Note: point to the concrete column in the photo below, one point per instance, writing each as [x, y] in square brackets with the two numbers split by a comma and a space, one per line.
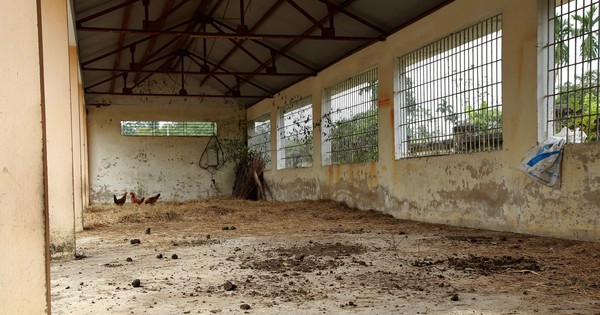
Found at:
[76, 109]
[59, 137]
[78, 123]
[24, 262]
[85, 182]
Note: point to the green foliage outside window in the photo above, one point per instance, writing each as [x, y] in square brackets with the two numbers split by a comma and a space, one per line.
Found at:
[169, 128]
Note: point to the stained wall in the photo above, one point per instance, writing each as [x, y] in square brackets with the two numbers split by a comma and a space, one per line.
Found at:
[480, 190]
[166, 165]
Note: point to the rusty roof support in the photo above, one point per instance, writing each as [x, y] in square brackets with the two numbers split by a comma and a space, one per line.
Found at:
[106, 11]
[278, 52]
[112, 52]
[249, 28]
[239, 45]
[117, 62]
[308, 31]
[182, 39]
[305, 14]
[188, 34]
[210, 72]
[159, 25]
[263, 19]
[354, 16]
[184, 96]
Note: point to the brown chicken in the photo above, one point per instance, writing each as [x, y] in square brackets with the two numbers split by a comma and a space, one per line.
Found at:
[136, 200]
[120, 201]
[152, 200]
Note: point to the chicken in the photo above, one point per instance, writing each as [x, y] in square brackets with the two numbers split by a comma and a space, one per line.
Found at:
[152, 200]
[120, 201]
[136, 200]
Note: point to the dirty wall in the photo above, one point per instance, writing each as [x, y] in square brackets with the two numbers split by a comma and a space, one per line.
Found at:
[149, 165]
[480, 190]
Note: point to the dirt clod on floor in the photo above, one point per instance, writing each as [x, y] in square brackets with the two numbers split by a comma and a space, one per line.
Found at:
[313, 257]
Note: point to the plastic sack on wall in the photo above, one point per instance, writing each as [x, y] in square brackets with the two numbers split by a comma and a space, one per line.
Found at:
[542, 163]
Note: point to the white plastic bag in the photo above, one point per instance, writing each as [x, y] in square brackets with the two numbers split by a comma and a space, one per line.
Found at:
[542, 163]
[572, 136]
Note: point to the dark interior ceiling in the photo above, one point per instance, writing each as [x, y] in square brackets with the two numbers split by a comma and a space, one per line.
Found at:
[244, 49]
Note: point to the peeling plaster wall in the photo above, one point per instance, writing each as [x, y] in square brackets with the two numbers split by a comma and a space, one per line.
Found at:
[480, 190]
[151, 165]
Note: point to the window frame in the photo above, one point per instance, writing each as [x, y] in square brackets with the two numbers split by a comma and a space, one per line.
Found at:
[262, 148]
[547, 89]
[459, 128]
[154, 128]
[303, 109]
[361, 144]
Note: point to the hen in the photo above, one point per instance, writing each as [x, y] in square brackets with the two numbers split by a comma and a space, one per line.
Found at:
[120, 201]
[136, 200]
[152, 200]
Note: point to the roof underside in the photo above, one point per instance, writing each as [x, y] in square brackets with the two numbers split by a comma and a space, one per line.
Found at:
[245, 49]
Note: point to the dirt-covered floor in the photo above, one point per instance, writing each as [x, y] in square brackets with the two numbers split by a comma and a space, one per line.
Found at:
[232, 257]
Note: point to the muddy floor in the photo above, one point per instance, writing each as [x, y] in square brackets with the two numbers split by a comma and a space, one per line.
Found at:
[242, 257]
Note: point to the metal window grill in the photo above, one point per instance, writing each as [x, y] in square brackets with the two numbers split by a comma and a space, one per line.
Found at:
[295, 134]
[259, 137]
[573, 60]
[349, 122]
[449, 94]
[169, 128]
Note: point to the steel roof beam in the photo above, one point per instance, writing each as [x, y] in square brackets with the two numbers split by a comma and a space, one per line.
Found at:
[182, 96]
[105, 11]
[308, 31]
[229, 35]
[160, 24]
[84, 63]
[181, 40]
[124, 23]
[355, 17]
[296, 60]
[254, 27]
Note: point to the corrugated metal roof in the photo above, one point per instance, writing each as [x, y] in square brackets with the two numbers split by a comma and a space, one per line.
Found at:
[247, 49]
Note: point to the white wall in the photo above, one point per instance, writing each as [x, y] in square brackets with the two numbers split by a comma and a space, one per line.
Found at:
[151, 165]
[480, 190]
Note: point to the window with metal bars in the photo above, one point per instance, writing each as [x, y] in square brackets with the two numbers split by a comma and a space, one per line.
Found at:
[259, 137]
[169, 128]
[349, 122]
[449, 94]
[295, 134]
[572, 62]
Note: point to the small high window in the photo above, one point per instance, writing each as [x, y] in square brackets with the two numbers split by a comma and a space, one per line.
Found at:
[169, 128]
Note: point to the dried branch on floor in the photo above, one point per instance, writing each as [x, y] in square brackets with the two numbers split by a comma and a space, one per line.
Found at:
[249, 181]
